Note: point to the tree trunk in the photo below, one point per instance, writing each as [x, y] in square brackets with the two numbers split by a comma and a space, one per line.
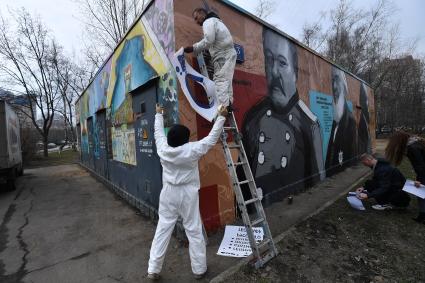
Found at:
[65, 118]
[45, 148]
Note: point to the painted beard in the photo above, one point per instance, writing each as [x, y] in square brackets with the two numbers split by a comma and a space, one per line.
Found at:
[278, 95]
[276, 88]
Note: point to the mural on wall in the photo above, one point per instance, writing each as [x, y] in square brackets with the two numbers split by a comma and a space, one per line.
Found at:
[364, 142]
[321, 105]
[84, 114]
[93, 100]
[160, 18]
[281, 135]
[123, 144]
[284, 106]
[287, 140]
[99, 88]
[167, 97]
[141, 57]
[138, 59]
[342, 142]
[132, 70]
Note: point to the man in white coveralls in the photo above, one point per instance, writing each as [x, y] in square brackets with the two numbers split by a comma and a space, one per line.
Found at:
[179, 194]
[219, 42]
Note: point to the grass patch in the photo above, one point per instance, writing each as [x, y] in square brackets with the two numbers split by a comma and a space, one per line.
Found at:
[406, 168]
[66, 157]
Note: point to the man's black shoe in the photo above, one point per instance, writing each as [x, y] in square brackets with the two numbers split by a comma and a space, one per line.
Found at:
[230, 108]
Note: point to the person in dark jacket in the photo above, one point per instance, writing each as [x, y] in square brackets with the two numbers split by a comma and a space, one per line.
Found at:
[404, 144]
[386, 185]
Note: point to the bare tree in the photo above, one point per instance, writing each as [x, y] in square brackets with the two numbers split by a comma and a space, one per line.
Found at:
[356, 38]
[26, 66]
[106, 22]
[402, 102]
[367, 43]
[313, 34]
[72, 78]
[265, 8]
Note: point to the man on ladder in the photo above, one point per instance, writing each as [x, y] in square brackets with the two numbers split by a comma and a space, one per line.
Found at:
[219, 42]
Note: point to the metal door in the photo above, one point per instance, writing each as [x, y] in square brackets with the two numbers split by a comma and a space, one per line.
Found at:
[149, 181]
[90, 133]
[100, 145]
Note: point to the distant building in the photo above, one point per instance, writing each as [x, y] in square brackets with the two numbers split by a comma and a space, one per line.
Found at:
[402, 96]
[57, 123]
[22, 106]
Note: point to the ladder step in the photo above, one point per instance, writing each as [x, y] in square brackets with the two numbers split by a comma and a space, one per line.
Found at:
[234, 146]
[257, 221]
[251, 201]
[245, 182]
[264, 259]
[266, 249]
[263, 243]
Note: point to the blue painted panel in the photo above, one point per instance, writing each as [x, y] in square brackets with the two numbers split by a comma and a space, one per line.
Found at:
[144, 179]
[100, 144]
[90, 133]
[321, 106]
[149, 183]
[240, 53]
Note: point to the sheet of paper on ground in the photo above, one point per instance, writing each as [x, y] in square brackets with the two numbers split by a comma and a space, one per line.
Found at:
[354, 201]
[410, 188]
[236, 243]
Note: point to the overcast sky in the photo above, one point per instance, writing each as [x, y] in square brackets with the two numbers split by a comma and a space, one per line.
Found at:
[291, 15]
[62, 16]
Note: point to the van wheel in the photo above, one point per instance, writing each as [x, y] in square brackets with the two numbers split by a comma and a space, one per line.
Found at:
[10, 185]
[21, 170]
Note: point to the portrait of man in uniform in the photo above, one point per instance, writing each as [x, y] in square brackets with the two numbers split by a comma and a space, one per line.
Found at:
[364, 141]
[281, 135]
[342, 143]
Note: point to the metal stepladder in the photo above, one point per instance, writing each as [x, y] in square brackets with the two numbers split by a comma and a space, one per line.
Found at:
[265, 250]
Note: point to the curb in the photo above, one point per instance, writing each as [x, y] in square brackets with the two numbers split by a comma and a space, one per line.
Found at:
[235, 268]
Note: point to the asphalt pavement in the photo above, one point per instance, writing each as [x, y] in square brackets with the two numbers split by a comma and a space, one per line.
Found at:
[62, 225]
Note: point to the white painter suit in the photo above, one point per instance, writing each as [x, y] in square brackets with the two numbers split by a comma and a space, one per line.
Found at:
[179, 195]
[219, 41]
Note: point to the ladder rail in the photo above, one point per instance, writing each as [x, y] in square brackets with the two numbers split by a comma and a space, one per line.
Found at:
[257, 254]
[242, 154]
[240, 200]
[242, 204]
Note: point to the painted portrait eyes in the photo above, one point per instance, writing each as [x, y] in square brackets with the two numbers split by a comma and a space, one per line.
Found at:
[282, 61]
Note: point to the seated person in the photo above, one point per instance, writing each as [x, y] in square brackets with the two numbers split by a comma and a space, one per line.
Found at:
[386, 185]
